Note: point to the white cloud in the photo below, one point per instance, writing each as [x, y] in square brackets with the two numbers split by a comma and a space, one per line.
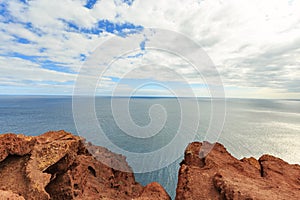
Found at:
[17, 69]
[255, 44]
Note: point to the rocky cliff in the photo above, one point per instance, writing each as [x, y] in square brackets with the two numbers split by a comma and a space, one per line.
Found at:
[58, 165]
[221, 176]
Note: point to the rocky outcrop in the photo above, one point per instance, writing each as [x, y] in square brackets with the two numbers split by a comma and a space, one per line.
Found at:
[58, 165]
[221, 176]
[5, 195]
[153, 191]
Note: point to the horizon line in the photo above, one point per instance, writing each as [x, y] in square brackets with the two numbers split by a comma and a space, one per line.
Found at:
[141, 96]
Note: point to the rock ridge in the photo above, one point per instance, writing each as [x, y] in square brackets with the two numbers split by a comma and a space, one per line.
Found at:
[219, 175]
[59, 165]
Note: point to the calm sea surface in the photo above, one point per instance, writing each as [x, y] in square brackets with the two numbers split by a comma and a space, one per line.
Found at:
[252, 127]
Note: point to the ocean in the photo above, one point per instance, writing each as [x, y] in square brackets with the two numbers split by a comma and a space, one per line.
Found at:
[252, 127]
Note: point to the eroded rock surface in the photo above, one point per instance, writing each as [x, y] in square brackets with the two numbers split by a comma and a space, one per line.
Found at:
[153, 191]
[58, 165]
[221, 176]
[5, 195]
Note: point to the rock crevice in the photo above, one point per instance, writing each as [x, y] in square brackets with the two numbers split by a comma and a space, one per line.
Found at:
[222, 176]
[58, 165]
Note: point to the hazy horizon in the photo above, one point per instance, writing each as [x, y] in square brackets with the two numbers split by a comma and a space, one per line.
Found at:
[149, 96]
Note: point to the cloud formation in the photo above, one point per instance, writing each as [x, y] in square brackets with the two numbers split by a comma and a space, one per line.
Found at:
[254, 44]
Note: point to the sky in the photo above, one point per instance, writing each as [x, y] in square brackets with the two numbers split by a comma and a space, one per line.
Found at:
[254, 45]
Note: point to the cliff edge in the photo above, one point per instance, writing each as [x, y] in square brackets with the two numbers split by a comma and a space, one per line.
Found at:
[57, 165]
[221, 176]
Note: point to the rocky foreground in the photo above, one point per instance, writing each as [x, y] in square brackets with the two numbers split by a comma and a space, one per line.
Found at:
[221, 176]
[58, 165]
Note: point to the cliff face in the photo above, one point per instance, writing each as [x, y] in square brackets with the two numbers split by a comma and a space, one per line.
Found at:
[221, 176]
[57, 165]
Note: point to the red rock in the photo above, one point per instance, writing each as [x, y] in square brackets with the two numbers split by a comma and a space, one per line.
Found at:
[5, 195]
[153, 191]
[58, 165]
[221, 176]
[280, 172]
[11, 144]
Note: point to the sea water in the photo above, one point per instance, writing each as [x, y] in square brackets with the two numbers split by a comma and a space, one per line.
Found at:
[252, 126]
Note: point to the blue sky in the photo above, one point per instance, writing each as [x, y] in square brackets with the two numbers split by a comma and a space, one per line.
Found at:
[255, 45]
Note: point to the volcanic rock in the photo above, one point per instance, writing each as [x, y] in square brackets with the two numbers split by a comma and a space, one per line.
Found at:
[219, 175]
[153, 191]
[59, 165]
